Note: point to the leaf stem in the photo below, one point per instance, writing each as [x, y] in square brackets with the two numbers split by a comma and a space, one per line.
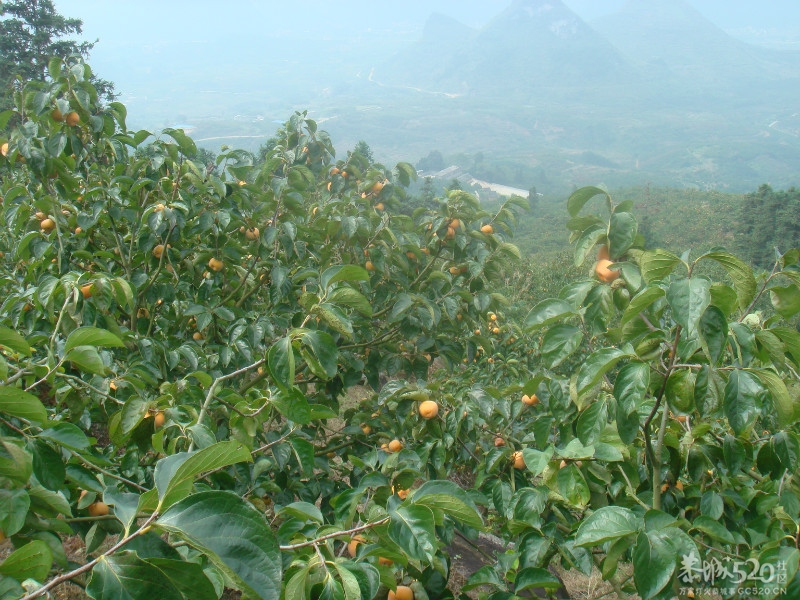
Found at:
[348, 532]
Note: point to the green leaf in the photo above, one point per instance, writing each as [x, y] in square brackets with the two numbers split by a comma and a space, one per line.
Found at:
[714, 529]
[21, 404]
[86, 358]
[188, 578]
[484, 576]
[413, 529]
[14, 341]
[657, 264]
[622, 230]
[125, 576]
[714, 333]
[586, 242]
[185, 143]
[742, 400]
[293, 405]
[31, 561]
[640, 302]
[334, 318]
[654, 563]
[280, 362]
[233, 535]
[572, 485]
[535, 578]
[591, 422]
[67, 435]
[606, 524]
[630, 388]
[580, 197]
[343, 273]
[546, 312]
[536, 460]
[598, 364]
[368, 577]
[351, 298]
[743, 279]
[14, 505]
[133, 413]
[174, 475]
[450, 499]
[781, 399]
[558, 343]
[92, 336]
[689, 299]
[786, 300]
[305, 511]
[324, 351]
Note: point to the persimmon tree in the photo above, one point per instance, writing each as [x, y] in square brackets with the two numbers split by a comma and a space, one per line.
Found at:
[176, 339]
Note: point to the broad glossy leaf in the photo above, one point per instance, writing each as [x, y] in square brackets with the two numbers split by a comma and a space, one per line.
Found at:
[412, 528]
[743, 398]
[536, 460]
[281, 363]
[606, 524]
[484, 576]
[451, 499]
[640, 302]
[233, 535]
[657, 264]
[546, 312]
[742, 275]
[14, 505]
[581, 196]
[591, 422]
[343, 273]
[92, 336]
[175, 474]
[786, 300]
[324, 351]
[785, 407]
[87, 359]
[587, 241]
[66, 434]
[714, 333]
[622, 231]
[714, 529]
[572, 485]
[346, 296]
[689, 299]
[630, 388]
[31, 561]
[21, 404]
[654, 563]
[188, 578]
[334, 318]
[598, 364]
[536, 578]
[14, 341]
[125, 576]
[558, 343]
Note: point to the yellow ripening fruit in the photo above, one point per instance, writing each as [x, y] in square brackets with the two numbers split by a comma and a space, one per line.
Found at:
[395, 446]
[369, 266]
[158, 250]
[384, 561]
[428, 409]
[4, 149]
[215, 264]
[366, 429]
[159, 419]
[47, 225]
[487, 229]
[455, 224]
[197, 336]
[531, 400]
[252, 234]
[451, 233]
[86, 290]
[455, 271]
[376, 189]
[98, 509]
[352, 546]
[499, 442]
[602, 253]
[603, 272]
[72, 118]
[403, 593]
[57, 115]
[379, 206]
[519, 460]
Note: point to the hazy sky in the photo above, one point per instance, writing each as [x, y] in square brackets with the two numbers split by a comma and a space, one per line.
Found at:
[152, 18]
